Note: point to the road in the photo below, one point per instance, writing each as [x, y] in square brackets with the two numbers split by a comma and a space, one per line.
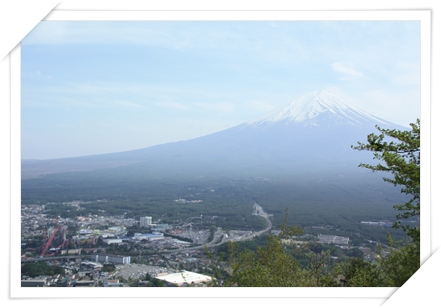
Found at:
[258, 210]
[262, 213]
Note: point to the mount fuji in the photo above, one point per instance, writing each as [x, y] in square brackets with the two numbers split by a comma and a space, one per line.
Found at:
[319, 108]
[314, 131]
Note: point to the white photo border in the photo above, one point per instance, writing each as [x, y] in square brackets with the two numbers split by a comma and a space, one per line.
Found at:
[423, 16]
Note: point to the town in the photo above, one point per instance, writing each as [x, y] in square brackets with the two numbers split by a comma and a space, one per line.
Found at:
[114, 251]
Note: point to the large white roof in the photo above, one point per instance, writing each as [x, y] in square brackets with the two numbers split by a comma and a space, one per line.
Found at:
[184, 277]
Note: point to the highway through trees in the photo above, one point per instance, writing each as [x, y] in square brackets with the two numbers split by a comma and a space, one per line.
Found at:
[219, 235]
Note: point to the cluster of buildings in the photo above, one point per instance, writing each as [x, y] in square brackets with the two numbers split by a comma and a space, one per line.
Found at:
[111, 232]
[146, 222]
[32, 218]
[89, 271]
[82, 273]
[90, 228]
[35, 223]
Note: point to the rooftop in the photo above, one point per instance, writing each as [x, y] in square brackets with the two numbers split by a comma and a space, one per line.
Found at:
[184, 277]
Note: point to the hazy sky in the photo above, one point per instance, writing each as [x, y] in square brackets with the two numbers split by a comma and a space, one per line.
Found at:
[100, 87]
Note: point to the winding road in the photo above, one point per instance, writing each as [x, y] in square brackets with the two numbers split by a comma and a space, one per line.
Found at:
[258, 210]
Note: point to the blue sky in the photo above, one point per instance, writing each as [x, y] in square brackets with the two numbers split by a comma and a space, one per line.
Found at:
[100, 87]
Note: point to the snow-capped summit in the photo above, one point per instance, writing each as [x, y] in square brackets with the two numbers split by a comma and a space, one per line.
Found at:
[318, 108]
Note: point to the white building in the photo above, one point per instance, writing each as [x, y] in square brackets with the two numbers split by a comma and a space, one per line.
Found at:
[145, 222]
[333, 239]
[113, 241]
[111, 258]
[184, 277]
[149, 236]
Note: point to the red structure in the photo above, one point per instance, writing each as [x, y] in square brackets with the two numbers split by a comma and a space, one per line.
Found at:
[49, 241]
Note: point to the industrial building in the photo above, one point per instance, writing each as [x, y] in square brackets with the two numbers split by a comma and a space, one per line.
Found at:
[91, 264]
[113, 241]
[111, 258]
[148, 236]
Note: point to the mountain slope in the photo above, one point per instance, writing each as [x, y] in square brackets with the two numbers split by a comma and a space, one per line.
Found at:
[317, 129]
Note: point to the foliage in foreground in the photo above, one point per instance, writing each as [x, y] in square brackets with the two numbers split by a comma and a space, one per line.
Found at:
[401, 159]
[277, 265]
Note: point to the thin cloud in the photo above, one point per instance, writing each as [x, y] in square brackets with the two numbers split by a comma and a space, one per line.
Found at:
[345, 69]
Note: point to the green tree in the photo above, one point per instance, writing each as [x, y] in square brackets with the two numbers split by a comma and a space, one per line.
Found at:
[269, 266]
[33, 269]
[400, 263]
[276, 264]
[109, 267]
[359, 273]
[153, 282]
[401, 158]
